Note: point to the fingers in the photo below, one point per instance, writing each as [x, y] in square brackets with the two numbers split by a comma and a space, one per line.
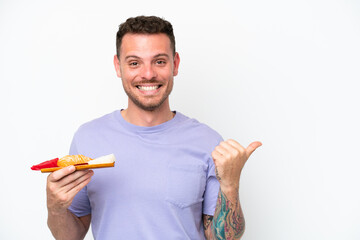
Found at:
[235, 144]
[79, 184]
[229, 159]
[67, 182]
[64, 184]
[57, 175]
[216, 154]
[228, 149]
[233, 148]
[75, 179]
[66, 175]
[249, 150]
[252, 147]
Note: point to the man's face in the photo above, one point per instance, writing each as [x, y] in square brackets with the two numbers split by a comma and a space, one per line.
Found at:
[147, 67]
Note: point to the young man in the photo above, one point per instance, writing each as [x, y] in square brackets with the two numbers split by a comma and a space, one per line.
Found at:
[174, 179]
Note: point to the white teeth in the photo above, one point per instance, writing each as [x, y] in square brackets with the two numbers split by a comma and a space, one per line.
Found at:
[148, 88]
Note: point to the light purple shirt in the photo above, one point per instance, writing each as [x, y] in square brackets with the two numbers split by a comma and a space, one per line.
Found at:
[162, 182]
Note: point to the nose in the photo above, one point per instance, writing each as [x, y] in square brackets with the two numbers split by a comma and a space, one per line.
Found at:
[148, 72]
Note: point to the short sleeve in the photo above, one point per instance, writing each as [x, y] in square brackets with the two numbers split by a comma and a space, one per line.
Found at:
[80, 206]
[211, 190]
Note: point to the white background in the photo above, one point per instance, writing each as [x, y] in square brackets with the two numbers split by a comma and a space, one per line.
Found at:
[282, 72]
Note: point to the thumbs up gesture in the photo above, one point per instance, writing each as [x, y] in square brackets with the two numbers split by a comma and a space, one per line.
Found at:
[229, 158]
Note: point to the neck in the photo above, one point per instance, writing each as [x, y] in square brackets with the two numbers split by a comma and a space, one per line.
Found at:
[140, 117]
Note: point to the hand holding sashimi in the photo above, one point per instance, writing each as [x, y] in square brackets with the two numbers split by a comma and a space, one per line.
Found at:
[65, 182]
[63, 185]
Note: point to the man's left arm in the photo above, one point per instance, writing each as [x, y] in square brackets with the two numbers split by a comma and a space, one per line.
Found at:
[228, 221]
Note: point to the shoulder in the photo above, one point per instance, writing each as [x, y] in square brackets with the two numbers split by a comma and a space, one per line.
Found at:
[199, 132]
[97, 124]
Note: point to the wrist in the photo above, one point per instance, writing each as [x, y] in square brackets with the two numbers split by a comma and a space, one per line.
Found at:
[231, 192]
[229, 188]
[56, 211]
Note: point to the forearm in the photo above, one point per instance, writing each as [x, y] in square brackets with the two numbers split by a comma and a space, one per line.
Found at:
[66, 225]
[228, 221]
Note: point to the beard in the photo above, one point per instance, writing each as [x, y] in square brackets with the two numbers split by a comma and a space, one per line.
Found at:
[151, 105]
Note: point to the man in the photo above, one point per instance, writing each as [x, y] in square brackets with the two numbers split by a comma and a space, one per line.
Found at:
[174, 178]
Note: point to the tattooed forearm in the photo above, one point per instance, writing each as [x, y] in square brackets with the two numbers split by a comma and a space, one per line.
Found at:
[228, 221]
[207, 221]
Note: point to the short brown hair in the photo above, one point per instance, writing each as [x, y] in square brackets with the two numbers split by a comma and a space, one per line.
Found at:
[145, 25]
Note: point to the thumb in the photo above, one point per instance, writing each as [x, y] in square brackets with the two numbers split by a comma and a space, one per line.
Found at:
[252, 147]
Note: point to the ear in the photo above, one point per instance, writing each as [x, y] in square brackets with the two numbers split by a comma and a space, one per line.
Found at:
[117, 66]
[176, 63]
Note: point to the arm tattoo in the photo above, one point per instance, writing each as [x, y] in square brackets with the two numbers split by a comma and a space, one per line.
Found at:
[207, 221]
[228, 222]
[217, 174]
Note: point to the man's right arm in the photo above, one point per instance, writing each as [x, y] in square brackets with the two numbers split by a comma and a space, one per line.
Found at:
[61, 188]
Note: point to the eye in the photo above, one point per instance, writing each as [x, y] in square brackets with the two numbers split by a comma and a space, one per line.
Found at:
[133, 64]
[160, 62]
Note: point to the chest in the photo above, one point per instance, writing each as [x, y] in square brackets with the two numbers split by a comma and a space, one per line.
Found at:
[152, 173]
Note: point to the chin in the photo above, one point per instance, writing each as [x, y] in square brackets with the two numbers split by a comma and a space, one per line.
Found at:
[149, 107]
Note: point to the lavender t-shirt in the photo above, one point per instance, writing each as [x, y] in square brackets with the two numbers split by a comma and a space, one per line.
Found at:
[162, 182]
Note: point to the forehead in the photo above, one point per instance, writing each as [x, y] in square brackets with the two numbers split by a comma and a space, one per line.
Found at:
[145, 44]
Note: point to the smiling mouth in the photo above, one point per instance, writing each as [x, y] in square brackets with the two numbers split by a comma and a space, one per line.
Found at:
[148, 88]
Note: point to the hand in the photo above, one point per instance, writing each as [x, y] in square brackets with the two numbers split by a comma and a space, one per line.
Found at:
[63, 185]
[229, 158]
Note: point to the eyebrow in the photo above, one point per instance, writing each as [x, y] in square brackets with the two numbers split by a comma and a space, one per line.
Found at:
[161, 55]
[156, 56]
[131, 56]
